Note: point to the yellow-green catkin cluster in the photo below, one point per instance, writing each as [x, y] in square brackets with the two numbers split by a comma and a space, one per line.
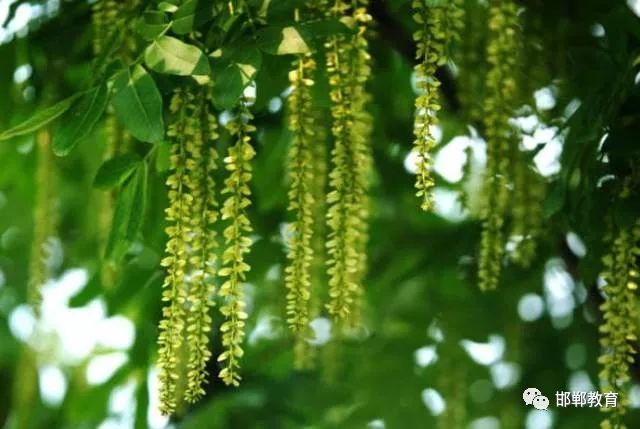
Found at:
[455, 22]
[301, 198]
[110, 29]
[430, 40]
[526, 209]
[237, 243]
[318, 192]
[348, 70]
[108, 17]
[43, 219]
[619, 329]
[438, 25]
[471, 61]
[202, 162]
[305, 353]
[361, 136]
[502, 92]
[537, 32]
[190, 251]
[104, 16]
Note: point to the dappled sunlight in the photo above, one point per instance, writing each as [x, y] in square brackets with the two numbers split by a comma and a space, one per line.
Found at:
[580, 381]
[65, 337]
[486, 353]
[102, 367]
[376, 424]
[485, 423]
[531, 307]
[559, 289]
[576, 245]
[537, 419]
[505, 375]
[53, 384]
[426, 356]
[434, 401]
[545, 98]
[321, 327]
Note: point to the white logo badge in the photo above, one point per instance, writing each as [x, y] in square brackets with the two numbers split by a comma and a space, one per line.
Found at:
[541, 403]
[533, 396]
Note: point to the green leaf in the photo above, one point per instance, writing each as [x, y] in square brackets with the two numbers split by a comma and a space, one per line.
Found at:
[128, 215]
[227, 87]
[139, 203]
[138, 104]
[8, 54]
[116, 170]
[136, 271]
[277, 11]
[283, 40]
[40, 119]
[316, 31]
[292, 42]
[167, 6]
[184, 17]
[301, 38]
[272, 80]
[233, 70]
[152, 24]
[172, 56]
[191, 15]
[163, 155]
[554, 201]
[82, 117]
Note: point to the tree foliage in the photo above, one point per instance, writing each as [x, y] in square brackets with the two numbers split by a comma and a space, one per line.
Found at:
[236, 180]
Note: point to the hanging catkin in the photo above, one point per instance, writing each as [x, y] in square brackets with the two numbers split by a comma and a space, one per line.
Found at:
[301, 198]
[620, 314]
[347, 180]
[175, 291]
[237, 243]
[528, 192]
[438, 25]
[304, 352]
[341, 244]
[104, 17]
[43, 219]
[190, 251]
[430, 39]
[361, 137]
[112, 34]
[471, 61]
[502, 90]
[619, 331]
[202, 162]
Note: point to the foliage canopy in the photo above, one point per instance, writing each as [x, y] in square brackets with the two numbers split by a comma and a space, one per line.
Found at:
[232, 181]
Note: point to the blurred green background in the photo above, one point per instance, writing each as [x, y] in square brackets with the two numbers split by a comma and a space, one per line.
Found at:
[434, 351]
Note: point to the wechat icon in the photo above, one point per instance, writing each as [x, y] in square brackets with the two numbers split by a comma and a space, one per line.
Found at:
[533, 396]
